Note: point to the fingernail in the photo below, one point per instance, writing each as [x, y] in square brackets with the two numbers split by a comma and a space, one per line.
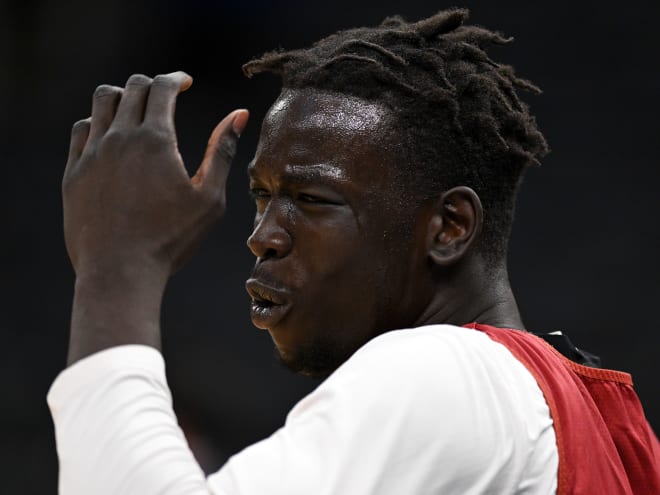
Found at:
[240, 121]
[187, 79]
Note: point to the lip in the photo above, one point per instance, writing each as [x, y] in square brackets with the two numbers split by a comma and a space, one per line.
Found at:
[269, 304]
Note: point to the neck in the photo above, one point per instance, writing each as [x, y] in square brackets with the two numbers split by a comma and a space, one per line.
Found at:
[472, 294]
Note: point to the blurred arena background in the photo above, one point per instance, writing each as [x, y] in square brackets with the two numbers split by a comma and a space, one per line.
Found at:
[585, 250]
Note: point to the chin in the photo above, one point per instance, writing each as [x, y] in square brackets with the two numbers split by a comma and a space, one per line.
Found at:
[313, 360]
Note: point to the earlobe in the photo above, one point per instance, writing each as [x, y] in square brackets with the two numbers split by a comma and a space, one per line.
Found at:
[454, 226]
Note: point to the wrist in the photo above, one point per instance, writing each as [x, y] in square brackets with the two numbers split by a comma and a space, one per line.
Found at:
[116, 305]
[120, 275]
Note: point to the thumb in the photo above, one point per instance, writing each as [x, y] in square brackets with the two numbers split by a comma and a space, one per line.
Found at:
[220, 151]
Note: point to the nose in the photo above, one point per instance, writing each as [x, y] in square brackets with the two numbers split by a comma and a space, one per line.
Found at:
[269, 239]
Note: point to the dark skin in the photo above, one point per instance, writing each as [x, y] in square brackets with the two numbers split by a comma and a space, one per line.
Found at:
[339, 259]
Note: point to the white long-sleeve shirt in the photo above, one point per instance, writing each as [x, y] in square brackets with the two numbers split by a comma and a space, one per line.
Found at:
[431, 410]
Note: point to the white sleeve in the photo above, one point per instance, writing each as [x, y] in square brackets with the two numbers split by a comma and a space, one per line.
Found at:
[413, 412]
[115, 429]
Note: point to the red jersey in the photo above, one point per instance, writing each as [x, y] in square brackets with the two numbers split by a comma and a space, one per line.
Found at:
[604, 441]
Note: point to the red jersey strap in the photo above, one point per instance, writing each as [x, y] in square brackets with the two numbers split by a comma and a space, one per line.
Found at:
[604, 441]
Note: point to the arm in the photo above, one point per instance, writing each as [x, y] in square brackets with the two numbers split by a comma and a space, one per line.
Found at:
[132, 215]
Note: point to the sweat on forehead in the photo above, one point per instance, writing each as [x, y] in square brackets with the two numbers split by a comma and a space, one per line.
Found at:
[327, 110]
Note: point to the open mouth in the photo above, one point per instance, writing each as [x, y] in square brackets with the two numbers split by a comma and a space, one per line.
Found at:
[268, 306]
[261, 306]
[262, 298]
[262, 303]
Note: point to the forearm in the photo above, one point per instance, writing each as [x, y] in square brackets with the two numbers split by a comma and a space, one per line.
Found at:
[116, 305]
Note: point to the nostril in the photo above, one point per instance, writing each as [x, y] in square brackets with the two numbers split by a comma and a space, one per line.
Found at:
[269, 253]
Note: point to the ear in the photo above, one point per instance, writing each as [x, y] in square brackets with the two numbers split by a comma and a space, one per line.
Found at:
[454, 226]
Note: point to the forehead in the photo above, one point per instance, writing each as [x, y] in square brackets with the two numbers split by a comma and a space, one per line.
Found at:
[325, 131]
[325, 111]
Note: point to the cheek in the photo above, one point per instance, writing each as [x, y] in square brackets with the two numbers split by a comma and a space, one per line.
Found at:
[344, 279]
[328, 245]
[351, 253]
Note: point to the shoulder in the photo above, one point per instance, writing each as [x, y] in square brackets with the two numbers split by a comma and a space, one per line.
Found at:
[438, 356]
[435, 409]
[440, 378]
[441, 395]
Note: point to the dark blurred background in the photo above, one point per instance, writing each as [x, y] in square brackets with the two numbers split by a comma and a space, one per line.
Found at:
[584, 256]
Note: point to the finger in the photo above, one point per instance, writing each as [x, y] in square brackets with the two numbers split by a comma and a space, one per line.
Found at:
[162, 98]
[104, 104]
[79, 134]
[131, 107]
[220, 151]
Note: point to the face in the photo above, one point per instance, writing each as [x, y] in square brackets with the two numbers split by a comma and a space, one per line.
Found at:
[338, 256]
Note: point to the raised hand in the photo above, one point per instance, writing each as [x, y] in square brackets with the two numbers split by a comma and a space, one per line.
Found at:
[132, 215]
[127, 196]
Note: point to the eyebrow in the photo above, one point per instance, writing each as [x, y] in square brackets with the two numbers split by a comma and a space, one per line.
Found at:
[250, 167]
[318, 173]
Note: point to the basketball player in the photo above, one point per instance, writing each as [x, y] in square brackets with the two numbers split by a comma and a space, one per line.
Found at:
[384, 180]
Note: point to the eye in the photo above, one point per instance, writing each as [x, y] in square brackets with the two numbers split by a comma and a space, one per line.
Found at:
[256, 194]
[308, 198]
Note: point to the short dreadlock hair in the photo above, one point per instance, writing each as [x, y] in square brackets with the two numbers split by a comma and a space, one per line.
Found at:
[457, 111]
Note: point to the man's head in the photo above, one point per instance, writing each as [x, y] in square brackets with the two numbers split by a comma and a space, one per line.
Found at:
[402, 133]
[458, 118]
